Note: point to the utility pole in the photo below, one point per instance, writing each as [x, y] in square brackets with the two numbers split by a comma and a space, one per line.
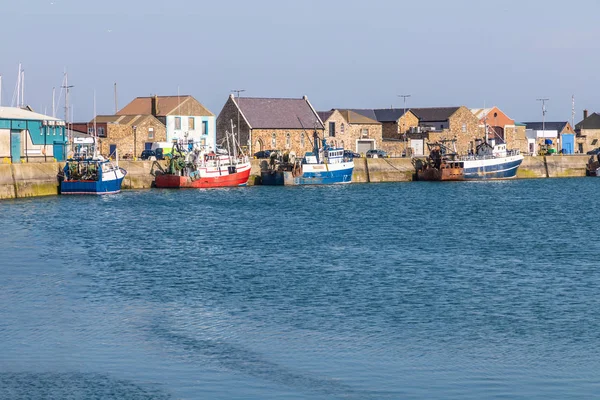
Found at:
[238, 91]
[66, 87]
[543, 100]
[404, 97]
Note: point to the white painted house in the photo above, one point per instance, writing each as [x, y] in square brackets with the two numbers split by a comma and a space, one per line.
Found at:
[186, 119]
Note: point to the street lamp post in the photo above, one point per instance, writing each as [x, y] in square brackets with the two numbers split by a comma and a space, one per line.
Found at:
[404, 97]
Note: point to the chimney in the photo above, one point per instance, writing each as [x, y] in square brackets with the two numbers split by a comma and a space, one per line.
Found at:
[585, 114]
[154, 105]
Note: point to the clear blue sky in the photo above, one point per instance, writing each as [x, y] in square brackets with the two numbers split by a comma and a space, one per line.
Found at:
[354, 54]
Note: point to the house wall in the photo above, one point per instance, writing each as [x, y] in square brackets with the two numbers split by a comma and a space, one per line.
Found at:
[223, 124]
[463, 126]
[123, 136]
[516, 138]
[197, 135]
[589, 138]
[395, 130]
[348, 136]
[300, 140]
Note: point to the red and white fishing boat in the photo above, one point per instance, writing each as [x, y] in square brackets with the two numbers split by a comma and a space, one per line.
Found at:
[204, 169]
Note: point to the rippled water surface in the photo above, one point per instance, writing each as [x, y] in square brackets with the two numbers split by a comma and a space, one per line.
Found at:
[388, 291]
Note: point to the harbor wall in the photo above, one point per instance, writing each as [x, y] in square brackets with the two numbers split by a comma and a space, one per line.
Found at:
[40, 179]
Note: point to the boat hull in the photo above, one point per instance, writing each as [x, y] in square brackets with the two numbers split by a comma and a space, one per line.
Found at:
[168, 181]
[109, 184]
[494, 168]
[318, 174]
[91, 187]
[443, 174]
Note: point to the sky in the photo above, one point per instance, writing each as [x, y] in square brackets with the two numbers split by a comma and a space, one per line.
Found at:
[341, 54]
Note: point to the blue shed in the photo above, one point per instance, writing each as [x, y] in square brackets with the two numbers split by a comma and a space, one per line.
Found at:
[567, 141]
[26, 135]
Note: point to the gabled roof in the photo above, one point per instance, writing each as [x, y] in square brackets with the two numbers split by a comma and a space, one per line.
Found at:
[481, 113]
[279, 113]
[366, 112]
[434, 114]
[324, 115]
[22, 114]
[167, 105]
[355, 118]
[382, 114]
[120, 119]
[591, 122]
[549, 126]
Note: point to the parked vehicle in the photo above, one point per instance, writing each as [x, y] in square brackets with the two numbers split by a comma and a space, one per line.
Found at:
[376, 153]
[264, 153]
[351, 154]
[148, 154]
[594, 151]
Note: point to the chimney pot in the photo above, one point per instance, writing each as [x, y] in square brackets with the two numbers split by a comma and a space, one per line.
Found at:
[585, 114]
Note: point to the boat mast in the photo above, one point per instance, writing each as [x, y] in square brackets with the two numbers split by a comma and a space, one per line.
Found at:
[95, 155]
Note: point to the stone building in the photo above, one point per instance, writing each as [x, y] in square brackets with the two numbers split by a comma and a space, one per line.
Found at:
[396, 124]
[185, 118]
[285, 124]
[501, 128]
[351, 130]
[448, 123]
[588, 132]
[129, 134]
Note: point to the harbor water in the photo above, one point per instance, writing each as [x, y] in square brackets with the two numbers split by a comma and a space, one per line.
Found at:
[423, 290]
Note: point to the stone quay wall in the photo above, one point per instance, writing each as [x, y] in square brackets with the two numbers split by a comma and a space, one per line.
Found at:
[40, 179]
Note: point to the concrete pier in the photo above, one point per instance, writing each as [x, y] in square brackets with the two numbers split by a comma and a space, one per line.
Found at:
[40, 179]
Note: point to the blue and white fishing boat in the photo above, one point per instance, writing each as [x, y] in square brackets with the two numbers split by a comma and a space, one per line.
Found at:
[325, 165]
[488, 161]
[94, 175]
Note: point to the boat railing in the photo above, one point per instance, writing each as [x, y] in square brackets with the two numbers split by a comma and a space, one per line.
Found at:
[509, 153]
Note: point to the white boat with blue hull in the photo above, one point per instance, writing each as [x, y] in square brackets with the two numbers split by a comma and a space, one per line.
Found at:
[94, 175]
[492, 162]
[323, 166]
[486, 163]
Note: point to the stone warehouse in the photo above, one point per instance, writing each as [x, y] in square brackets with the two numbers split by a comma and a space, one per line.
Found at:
[588, 132]
[351, 130]
[127, 134]
[285, 124]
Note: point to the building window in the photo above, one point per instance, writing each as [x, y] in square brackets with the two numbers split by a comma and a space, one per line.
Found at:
[288, 141]
[342, 127]
[205, 127]
[464, 128]
[364, 132]
[302, 140]
[273, 140]
[594, 142]
[332, 129]
[191, 124]
[101, 131]
[151, 133]
[177, 122]
[91, 130]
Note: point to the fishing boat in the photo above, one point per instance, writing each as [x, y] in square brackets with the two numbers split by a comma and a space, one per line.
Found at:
[204, 168]
[93, 175]
[486, 162]
[325, 165]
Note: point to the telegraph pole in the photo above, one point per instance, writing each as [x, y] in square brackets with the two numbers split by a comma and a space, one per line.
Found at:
[404, 97]
[544, 100]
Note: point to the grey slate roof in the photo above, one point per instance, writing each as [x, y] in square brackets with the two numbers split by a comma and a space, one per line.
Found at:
[272, 113]
[549, 126]
[591, 122]
[382, 114]
[434, 114]
[324, 115]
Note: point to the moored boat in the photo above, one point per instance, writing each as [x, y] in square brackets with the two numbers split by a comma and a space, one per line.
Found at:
[204, 169]
[94, 175]
[325, 165]
[488, 162]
